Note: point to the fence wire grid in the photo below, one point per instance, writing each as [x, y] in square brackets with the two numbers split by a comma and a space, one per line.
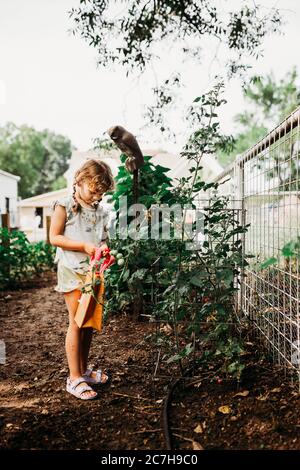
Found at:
[265, 179]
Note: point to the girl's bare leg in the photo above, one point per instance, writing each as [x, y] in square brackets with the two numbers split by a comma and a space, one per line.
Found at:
[73, 338]
[86, 339]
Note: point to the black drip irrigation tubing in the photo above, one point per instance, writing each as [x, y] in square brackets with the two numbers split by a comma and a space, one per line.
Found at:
[166, 407]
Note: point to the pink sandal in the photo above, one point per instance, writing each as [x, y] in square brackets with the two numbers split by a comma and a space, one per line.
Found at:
[97, 380]
[72, 387]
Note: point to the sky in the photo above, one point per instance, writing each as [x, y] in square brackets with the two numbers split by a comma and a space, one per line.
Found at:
[49, 78]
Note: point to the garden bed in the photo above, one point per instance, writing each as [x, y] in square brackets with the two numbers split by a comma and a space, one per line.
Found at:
[37, 413]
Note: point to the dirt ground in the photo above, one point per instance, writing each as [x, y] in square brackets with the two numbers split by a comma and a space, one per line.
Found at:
[262, 413]
[37, 413]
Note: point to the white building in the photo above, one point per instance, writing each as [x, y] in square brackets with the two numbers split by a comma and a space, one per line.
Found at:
[33, 212]
[9, 197]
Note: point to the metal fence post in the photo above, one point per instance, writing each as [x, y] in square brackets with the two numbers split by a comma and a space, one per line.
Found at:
[240, 206]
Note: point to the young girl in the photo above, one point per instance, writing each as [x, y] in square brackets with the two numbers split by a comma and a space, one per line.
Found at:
[78, 227]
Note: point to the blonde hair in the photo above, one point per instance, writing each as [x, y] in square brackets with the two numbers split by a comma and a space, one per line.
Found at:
[99, 176]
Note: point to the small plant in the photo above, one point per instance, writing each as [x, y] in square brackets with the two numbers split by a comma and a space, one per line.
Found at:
[130, 277]
[199, 284]
[290, 251]
[20, 259]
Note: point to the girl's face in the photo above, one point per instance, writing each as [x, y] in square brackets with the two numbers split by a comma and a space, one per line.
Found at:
[85, 194]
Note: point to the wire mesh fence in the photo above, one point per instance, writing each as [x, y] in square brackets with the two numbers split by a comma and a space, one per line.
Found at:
[264, 181]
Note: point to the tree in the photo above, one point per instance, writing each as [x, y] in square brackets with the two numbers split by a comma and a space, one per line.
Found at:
[130, 33]
[270, 101]
[39, 157]
[274, 99]
[252, 131]
[127, 38]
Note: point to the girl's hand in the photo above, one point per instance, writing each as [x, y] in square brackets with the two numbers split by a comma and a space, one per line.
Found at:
[89, 248]
[104, 247]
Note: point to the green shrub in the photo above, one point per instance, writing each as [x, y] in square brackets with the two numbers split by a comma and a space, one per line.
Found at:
[20, 259]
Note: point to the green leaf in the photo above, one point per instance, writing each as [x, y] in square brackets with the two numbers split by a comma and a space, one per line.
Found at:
[139, 274]
[198, 279]
[268, 262]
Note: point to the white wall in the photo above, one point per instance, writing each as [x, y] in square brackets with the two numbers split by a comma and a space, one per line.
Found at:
[9, 189]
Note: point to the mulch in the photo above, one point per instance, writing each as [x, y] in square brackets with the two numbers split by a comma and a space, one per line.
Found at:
[206, 413]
